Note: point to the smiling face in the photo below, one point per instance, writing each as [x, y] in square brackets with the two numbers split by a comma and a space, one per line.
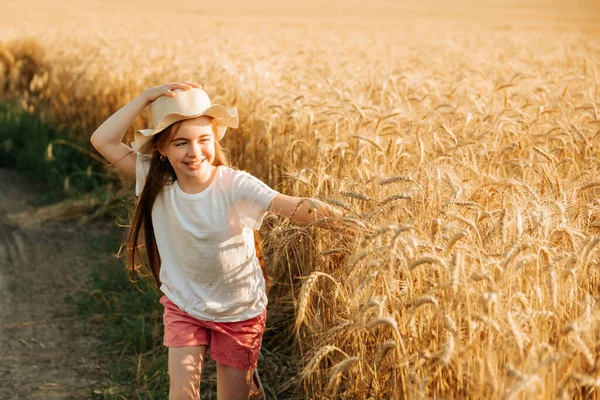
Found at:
[191, 152]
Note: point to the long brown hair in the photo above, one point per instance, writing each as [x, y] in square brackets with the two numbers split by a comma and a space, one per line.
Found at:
[141, 230]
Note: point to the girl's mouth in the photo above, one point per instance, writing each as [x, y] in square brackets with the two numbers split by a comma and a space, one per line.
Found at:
[194, 164]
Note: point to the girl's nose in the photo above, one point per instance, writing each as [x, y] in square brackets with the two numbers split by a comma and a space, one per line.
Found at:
[194, 148]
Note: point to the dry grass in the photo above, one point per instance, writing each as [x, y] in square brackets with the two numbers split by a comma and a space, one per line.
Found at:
[469, 146]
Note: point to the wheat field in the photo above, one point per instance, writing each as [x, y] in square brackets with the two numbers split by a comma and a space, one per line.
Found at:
[465, 135]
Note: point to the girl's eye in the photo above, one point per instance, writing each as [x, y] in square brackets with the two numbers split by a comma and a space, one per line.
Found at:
[180, 143]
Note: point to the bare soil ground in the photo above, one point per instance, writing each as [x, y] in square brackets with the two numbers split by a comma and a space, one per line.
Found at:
[43, 353]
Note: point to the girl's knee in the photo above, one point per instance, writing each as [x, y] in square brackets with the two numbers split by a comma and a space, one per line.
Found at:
[184, 385]
[184, 393]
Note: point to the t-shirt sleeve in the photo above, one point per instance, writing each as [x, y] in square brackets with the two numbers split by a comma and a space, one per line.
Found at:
[142, 167]
[252, 199]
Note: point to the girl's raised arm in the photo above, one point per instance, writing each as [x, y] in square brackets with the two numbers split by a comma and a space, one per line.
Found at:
[107, 139]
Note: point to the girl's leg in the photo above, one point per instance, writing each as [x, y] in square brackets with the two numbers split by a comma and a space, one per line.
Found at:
[233, 384]
[185, 371]
[257, 392]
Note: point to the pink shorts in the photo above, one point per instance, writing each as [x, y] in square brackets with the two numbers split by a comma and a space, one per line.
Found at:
[236, 344]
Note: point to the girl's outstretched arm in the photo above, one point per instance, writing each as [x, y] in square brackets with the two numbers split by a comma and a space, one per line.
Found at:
[107, 139]
[308, 210]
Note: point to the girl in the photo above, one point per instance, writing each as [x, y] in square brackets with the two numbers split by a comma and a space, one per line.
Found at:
[198, 217]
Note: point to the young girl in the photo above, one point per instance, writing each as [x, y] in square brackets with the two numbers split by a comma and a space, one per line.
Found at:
[198, 216]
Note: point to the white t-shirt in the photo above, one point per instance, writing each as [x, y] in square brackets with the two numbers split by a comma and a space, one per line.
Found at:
[209, 267]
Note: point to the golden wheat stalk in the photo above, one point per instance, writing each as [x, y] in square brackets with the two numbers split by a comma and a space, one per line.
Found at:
[321, 353]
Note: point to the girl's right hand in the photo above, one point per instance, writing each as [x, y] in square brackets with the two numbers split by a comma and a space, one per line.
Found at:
[152, 94]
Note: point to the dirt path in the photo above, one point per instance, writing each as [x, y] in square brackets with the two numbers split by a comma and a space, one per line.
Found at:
[43, 354]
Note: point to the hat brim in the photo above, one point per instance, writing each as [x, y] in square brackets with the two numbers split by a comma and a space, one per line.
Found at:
[225, 118]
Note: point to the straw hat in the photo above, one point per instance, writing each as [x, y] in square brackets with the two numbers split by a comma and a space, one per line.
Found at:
[186, 104]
